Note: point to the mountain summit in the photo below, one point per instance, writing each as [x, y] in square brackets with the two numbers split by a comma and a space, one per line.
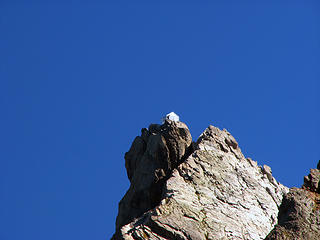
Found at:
[207, 189]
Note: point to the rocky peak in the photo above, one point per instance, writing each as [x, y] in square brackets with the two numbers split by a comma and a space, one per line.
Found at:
[149, 162]
[214, 138]
[209, 190]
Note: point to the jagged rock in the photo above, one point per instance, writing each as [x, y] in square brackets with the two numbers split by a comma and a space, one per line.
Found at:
[299, 215]
[149, 162]
[311, 182]
[214, 193]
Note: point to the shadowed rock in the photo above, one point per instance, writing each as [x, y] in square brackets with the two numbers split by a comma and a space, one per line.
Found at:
[299, 215]
[149, 162]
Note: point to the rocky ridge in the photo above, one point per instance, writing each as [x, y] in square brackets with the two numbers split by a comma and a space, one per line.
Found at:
[199, 190]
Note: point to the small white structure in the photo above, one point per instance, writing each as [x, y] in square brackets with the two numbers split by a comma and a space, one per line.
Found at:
[171, 116]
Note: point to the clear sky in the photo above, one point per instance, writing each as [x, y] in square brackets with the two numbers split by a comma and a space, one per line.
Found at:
[79, 80]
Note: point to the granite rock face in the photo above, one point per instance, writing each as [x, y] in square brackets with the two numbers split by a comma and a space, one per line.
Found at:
[149, 163]
[203, 190]
[299, 215]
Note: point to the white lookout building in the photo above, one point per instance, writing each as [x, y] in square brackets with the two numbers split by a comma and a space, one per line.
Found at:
[171, 116]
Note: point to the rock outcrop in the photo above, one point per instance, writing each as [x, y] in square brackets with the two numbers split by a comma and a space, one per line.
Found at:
[149, 163]
[299, 215]
[203, 190]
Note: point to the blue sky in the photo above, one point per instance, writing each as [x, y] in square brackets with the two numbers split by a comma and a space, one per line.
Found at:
[79, 80]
